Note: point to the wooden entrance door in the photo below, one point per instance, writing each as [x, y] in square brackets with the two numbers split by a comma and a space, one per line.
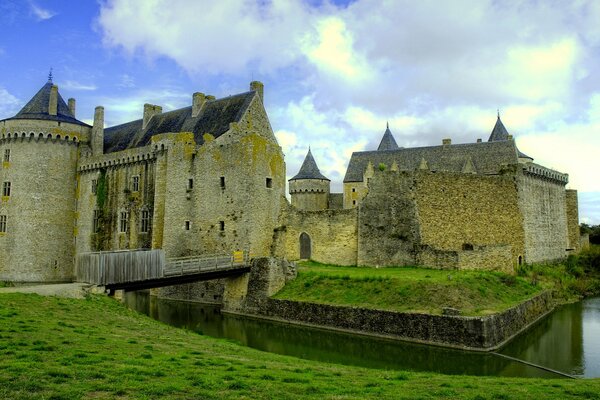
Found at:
[304, 246]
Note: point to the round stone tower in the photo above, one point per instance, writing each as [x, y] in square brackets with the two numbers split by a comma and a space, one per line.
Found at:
[309, 189]
[39, 148]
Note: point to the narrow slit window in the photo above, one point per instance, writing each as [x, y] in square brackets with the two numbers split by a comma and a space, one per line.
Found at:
[353, 202]
[96, 221]
[222, 225]
[6, 155]
[135, 184]
[2, 223]
[190, 184]
[6, 189]
[269, 182]
[145, 222]
[124, 222]
[188, 225]
[222, 182]
[353, 190]
[94, 186]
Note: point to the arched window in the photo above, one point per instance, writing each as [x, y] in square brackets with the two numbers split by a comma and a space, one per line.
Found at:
[305, 246]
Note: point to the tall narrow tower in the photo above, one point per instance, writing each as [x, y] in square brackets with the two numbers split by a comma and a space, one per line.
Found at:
[309, 189]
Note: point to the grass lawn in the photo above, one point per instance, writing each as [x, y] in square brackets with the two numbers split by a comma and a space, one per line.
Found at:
[409, 289]
[54, 348]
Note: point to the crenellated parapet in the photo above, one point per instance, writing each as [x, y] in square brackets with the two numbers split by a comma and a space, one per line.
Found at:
[40, 136]
[538, 171]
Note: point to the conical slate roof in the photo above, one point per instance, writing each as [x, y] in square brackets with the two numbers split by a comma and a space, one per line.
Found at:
[387, 141]
[37, 108]
[499, 132]
[309, 169]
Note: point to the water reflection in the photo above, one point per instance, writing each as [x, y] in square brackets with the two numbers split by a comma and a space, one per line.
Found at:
[327, 346]
[568, 340]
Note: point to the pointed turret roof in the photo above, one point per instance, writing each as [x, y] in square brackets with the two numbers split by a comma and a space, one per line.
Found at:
[37, 107]
[309, 169]
[499, 132]
[387, 141]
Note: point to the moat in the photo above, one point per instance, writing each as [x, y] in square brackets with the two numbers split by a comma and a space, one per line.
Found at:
[567, 341]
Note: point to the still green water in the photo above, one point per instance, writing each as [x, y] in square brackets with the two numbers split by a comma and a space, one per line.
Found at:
[567, 341]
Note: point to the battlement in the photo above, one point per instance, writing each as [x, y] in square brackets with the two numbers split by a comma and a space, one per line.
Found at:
[125, 157]
[544, 173]
[40, 136]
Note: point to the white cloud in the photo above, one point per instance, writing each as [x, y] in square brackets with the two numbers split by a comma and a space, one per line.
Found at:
[74, 85]
[40, 13]
[9, 104]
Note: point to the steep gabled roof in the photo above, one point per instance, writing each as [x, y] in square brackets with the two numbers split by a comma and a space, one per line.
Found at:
[486, 158]
[37, 108]
[215, 117]
[387, 141]
[309, 169]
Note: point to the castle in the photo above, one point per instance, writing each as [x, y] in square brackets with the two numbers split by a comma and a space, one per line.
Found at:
[210, 178]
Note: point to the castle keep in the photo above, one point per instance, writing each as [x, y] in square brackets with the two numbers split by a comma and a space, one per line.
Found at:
[210, 178]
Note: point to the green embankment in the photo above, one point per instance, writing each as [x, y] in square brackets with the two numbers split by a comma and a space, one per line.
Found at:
[408, 289]
[411, 289]
[53, 348]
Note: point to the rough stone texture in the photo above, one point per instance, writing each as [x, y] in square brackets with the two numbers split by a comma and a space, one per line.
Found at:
[333, 235]
[484, 333]
[542, 204]
[267, 276]
[462, 210]
[572, 206]
[209, 292]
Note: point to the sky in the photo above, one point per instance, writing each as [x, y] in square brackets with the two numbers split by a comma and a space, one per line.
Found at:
[335, 72]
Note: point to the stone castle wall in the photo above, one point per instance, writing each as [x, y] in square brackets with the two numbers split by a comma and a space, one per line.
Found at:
[572, 206]
[468, 214]
[444, 220]
[542, 204]
[41, 209]
[333, 235]
[310, 194]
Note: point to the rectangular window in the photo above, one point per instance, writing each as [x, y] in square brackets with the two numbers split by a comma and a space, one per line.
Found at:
[222, 182]
[145, 222]
[94, 186]
[7, 155]
[269, 182]
[188, 225]
[353, 202]
[6, 189]
[96, 222]
[190, 184]
[124, 222]
[135, 184]
[2, 223]
[353, 190]
[222, 225]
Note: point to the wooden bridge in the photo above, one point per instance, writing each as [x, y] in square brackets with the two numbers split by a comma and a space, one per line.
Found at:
[144, 269]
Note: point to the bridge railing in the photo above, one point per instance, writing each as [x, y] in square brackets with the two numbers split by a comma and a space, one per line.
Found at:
[195, 264]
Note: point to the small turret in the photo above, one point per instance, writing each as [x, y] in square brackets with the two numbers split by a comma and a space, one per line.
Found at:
[309, 189]
[150, 110]
[387, 141]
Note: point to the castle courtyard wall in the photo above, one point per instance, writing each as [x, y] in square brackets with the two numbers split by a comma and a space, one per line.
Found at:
[333, 235]
[572, 206]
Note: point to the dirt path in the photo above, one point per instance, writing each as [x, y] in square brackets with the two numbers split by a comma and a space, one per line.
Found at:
[71, 290]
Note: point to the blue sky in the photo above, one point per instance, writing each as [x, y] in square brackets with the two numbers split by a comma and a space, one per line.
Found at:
[334, 72]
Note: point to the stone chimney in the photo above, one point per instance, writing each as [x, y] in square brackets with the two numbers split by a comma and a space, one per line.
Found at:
[150, 110]
[257, 86]
[198, 100]
[98, 131]
[72, 106]
[53, 102]
[446, 141]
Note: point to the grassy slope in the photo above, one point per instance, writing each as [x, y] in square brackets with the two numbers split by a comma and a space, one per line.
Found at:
[53, 348]
[408, 289]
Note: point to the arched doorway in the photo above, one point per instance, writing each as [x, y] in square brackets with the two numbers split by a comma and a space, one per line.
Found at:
[305, 246]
